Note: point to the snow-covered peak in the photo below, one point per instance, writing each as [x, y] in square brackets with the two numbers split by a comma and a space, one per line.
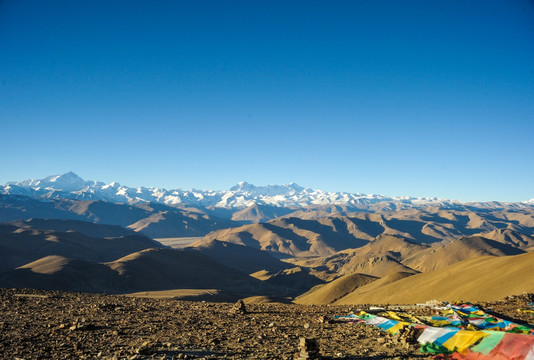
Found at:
[242, 195]
[65, 182]
[69, 177]
[111, 185]
[243, 186]
[294, 186]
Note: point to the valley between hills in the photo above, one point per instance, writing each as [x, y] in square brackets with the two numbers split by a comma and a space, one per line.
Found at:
[334, 248]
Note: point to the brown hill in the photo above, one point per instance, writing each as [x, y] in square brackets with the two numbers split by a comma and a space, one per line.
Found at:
[147, 270]
[297, 237]
[60, 273]
[373, 287]
[483, 278]
[295, 280]
[378, 265]
[315, 212]
[242, 258]
[329, 293]
[19, 246]
[294, 236]
[260, 213]
[281, 242]
[157, 269]
[266, 300]
[510, 237]
[458, 250]
[392, 254]
[380, 257]
[393, 245]
[169, 223]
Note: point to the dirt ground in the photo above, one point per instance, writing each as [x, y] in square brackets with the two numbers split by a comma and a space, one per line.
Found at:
[58, 325]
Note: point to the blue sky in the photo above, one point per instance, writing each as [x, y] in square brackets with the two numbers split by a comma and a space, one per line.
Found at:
[421, 98]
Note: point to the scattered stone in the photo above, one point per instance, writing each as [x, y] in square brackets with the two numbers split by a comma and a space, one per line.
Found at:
[38, 296]
[143, 328]
[147, 348]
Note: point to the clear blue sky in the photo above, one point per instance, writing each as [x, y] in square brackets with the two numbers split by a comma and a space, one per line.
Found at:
[421, 98]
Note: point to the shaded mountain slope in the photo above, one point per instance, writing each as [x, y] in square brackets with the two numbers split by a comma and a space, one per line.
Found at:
[147, 270]
[260, 213]
[315, 212]
[510, 237]
[391, 254]
[373, 287]
[296, 280]
[332, 291]
[380, 257]
[278, 241]
[242, 258]
[19, 246]
[295, 237]
[55, 272]
[156, 269]
[155, 220]
[483, 278]
[178, 224]
[458, 250]
[259, 264]
[84, 227]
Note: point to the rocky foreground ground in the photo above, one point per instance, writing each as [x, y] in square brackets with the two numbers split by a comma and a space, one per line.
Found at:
[58, 325]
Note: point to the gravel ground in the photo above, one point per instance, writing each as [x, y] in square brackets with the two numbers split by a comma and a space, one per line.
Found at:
[38, 324]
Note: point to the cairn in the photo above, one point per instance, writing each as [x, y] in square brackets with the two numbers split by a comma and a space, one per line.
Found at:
[238, 308]
[408, 336]
[308, 349]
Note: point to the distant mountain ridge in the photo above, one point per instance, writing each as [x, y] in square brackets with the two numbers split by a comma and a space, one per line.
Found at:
[151, 219]
[240, 196]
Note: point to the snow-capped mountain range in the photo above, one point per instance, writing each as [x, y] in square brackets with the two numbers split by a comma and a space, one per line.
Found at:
[242, 195]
